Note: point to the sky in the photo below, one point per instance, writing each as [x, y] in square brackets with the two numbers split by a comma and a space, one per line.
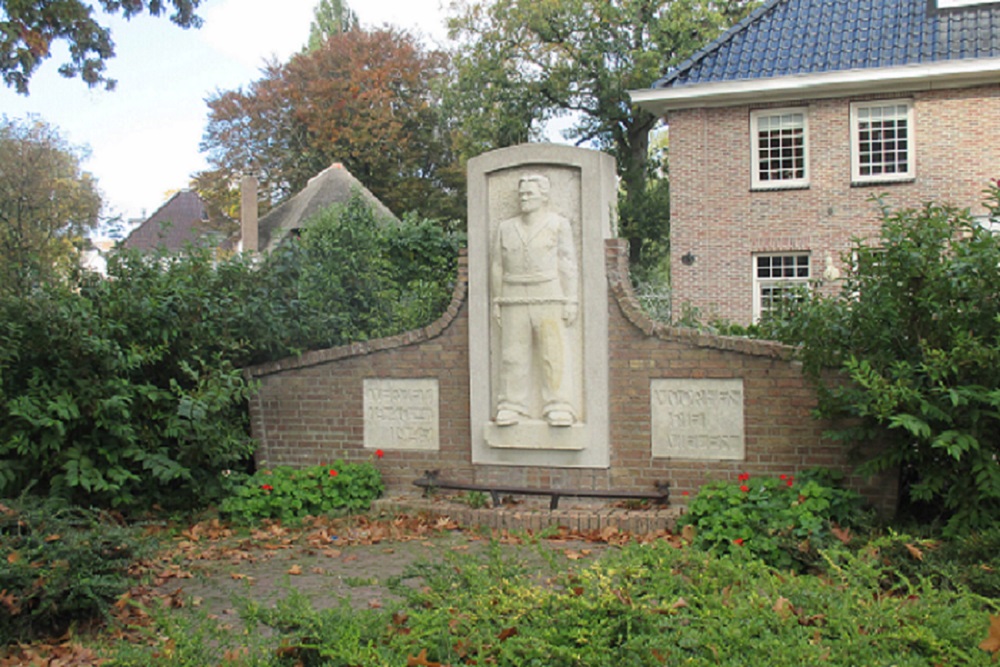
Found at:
[143, 137]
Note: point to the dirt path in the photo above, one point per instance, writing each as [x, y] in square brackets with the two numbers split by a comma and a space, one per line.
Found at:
[212, 568]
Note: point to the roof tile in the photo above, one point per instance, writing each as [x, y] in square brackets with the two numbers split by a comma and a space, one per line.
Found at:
[787, 37]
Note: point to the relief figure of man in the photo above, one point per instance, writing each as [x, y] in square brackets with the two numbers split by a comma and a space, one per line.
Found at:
[534, 277]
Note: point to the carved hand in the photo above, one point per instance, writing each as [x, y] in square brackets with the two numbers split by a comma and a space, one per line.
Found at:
[569, 313]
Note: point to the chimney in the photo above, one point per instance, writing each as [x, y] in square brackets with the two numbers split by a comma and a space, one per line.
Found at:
[248, 214]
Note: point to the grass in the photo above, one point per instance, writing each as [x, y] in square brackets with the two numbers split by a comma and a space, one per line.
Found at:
[886, 600]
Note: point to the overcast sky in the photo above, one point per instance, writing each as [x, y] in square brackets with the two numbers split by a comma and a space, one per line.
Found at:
[143, 137]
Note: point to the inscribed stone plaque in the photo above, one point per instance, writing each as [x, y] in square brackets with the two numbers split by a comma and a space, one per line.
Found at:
[697, 419]
[401, 414]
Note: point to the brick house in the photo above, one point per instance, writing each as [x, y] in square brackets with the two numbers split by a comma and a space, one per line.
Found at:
[784, 128]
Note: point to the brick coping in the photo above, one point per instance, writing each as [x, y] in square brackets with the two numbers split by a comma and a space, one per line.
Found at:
[582, 517]
[620, 284]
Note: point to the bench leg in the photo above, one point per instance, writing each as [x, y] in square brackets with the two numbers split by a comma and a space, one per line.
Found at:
[496, 498]
[554, 503]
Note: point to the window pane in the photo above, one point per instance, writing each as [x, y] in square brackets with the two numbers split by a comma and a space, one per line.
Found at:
[780, 147]
[882, 146]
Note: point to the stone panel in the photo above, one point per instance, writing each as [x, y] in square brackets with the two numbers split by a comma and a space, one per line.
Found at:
[401, 414]
[697, 419]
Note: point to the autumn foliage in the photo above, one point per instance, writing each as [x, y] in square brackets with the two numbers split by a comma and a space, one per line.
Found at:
[365, 99]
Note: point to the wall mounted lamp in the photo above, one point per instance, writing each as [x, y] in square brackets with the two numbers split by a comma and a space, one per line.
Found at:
[687, 259]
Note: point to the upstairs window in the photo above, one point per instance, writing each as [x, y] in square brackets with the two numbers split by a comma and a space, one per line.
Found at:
[780, 152]
[778, 280]
[882, 141]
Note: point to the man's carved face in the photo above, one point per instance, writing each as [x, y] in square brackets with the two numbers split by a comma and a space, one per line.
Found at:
[531, 196]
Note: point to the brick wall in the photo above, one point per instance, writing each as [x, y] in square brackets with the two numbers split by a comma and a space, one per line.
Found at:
[716, 216]
[309, 409]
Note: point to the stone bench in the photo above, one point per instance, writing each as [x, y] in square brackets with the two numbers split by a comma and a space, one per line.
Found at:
[431, 480]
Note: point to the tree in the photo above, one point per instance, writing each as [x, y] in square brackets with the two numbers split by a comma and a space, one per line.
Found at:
[330, 17]
[46, 204]
[915, 331]
[29, 28]
[365, 99]
[523, 62]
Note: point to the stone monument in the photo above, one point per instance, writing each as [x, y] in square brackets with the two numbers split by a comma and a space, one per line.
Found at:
[538, 218]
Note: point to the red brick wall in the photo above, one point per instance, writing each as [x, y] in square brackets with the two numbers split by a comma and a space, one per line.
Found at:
[716, 216]
[309, 409]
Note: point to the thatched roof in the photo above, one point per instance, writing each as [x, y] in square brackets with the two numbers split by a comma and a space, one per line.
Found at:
[333, 185]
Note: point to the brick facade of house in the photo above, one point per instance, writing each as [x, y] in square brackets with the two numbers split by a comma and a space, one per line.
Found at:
[723, 223]
[309, 410]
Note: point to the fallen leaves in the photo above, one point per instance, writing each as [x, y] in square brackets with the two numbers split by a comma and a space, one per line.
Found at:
[992, 641]
[783, 607]
[842, 534]
[67, 654]
[420, 660]
[10, 602]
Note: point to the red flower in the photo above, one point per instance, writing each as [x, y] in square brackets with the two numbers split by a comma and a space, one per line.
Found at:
[685, 493]
[267, 487]
[738, 541]
[744, 476]
[744, 488]
[379, 453]
[790, 481]
[782, 476]
[334, 473]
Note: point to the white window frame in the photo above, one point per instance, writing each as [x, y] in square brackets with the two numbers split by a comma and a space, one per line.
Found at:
[856, 110]
[952, 4]
[756, 182]
[795, 266]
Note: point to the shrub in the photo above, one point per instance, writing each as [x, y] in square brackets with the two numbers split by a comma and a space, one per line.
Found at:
[362, 277]
[127, 392]
[916, 330]
[784, 521]
[123, 392]
[290, 494]
[60, 566]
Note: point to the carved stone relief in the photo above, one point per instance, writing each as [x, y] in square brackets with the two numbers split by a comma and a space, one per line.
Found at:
[538, 218]
[534, 296]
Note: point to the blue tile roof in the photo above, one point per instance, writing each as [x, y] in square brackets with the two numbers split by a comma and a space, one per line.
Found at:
[786, 37]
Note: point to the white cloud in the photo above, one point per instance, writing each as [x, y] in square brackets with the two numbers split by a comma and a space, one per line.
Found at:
[251, 31]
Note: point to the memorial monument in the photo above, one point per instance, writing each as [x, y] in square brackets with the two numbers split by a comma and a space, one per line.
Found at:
[538, 218]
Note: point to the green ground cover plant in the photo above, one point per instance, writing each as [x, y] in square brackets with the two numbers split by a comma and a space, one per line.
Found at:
[646, 604]
[291, 494]
[60, 566]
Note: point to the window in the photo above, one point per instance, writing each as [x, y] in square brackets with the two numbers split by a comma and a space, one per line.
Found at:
[780, 153]
[881, 141]
[778, 279]
[866, 268]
